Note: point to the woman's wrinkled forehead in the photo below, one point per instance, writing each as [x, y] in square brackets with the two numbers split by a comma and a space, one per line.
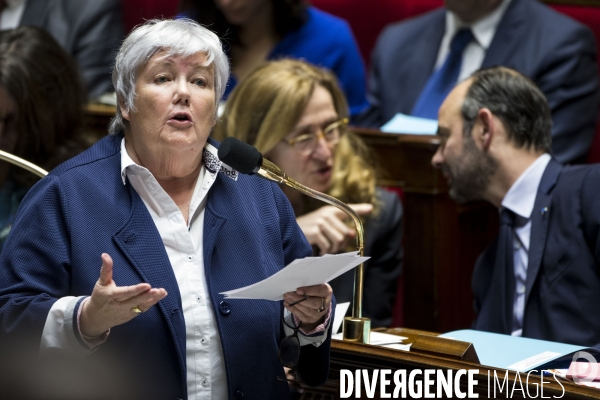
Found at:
[165, 56]
[164, 59]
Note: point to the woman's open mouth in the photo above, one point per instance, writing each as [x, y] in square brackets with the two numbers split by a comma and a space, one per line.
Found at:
[180, 119]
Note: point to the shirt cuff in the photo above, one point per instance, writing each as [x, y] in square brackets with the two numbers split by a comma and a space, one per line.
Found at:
[61, 330]
[58, 333]
[319, 328]
[317, 335]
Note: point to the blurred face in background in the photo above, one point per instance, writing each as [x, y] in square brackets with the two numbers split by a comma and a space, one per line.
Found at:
[8, 115]
[240, 12]
[471, 10]
[310, 165]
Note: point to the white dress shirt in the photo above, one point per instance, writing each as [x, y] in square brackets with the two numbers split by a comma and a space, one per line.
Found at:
[206, 378]
[183, 240]
[11, 16]
[520, 199]
[483, 30]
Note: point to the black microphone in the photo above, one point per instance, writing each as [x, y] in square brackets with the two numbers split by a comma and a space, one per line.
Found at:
[240, 156]
[248, 160]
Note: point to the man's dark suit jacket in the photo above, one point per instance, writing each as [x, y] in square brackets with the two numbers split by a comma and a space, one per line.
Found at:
[556, 52]
[562, 298]
[90, 30]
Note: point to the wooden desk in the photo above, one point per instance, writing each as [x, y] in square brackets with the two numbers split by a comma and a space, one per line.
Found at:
[442, 238]
[97, 119]
[348, 355]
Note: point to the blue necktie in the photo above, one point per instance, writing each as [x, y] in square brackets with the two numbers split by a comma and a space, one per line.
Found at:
[442, 81]
[496, 314]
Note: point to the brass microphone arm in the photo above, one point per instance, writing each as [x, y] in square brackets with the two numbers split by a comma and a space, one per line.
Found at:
[19, 162]
[356, 328]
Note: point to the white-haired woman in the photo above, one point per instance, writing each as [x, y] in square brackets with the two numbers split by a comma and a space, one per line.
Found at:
[171, 228]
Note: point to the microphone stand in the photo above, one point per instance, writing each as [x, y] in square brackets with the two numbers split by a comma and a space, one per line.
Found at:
[19, 162]
[356, 328]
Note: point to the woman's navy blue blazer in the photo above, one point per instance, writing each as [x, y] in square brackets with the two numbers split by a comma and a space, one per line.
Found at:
[81, 210]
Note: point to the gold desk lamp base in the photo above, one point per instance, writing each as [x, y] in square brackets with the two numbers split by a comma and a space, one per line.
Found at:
[357, 329]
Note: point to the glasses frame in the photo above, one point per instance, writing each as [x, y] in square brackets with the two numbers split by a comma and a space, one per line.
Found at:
[293, 336]
[321, 134]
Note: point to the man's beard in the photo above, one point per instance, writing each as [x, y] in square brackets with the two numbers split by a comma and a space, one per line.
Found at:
[471, 174]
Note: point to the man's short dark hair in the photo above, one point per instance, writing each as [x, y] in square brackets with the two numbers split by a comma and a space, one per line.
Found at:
[516, 101]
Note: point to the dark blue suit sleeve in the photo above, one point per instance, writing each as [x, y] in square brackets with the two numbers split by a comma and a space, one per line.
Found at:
[34, 269]
[570, 83]
[590, 200]
[294, 242]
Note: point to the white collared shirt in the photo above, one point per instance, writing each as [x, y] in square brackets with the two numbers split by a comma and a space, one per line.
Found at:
[520, 199]
[206, 378]
[11, 16]
[483, 30]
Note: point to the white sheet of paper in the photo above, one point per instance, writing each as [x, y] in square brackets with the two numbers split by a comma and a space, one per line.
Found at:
[402, 123]
[398, 346]
[340, 313]
[381, 339]
[307, 271]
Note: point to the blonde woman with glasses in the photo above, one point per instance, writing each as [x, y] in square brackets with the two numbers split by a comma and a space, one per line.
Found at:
[296, 115]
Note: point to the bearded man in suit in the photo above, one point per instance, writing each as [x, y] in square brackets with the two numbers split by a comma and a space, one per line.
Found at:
[541, 277]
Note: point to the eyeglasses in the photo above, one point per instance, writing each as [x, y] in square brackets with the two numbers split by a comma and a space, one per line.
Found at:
[289, 348]
[307, 143]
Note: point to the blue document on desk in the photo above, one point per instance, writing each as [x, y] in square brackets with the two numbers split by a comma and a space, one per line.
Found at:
[518, 353]
[402, 123]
